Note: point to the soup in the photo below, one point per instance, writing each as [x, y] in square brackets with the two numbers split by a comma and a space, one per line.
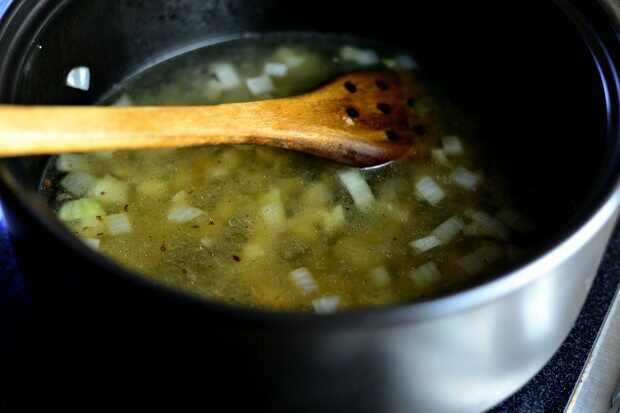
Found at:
[276, 229]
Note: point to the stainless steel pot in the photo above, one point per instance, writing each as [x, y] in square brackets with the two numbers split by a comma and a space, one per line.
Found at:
[543, 74]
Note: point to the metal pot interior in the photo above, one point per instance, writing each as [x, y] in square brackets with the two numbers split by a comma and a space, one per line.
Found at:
[538, 92]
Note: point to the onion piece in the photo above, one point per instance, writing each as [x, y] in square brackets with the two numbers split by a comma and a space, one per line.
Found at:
[440, 157]
[448, 229]
[429, 190]
[334, 219]
[275, 69]
[490, 225]
[92, 243]
[474, 262]
[253, 250]
[289, 56]
[118, 224]
[212, 91]
[326, 305]
[180, 198]
[294, 61]
[358, 188]
[183, 213]
[425, 274]
[465, 178]
[426, 243]
[226, 74]
[302, 277]
[80, 208]
[515, 220]
[363, 57]
[79, 78]
[273, 213]
[123, 101]
[109, 190]
[452, 145]
[71, 162]
[259, 85]
[77, 182]
[406, 61]
[475, 230]
[379, 276]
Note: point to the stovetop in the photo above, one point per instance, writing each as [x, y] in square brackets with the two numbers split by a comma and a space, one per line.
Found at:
[549, 391]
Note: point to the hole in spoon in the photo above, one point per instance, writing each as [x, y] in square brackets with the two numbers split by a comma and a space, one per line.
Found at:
[382, 85]
[391, 135]
[352, 112]
[350, 87]
[384, 108]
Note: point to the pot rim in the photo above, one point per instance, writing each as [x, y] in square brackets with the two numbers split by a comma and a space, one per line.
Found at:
[598, 209]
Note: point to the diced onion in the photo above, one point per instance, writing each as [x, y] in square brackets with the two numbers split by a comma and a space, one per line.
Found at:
[440, 157]
[259, 85]
[474, 262]
[253, 250]
[212, 90]
[118, 224]
[291, 57]
[274, 69]
[71, 162]
[302, 277]
[333, 219]
[79, 78]
[379, 276]
[389, 63]
[273, 213]
[475, 230]
[124, 100]
[80, 208]
[184, 213]
[465, 178]
[406, 61]
[226, 74]
[109, 190]
[326, 305]
[180, 198]
[452, 145]
[77, 182]
[491, 226]
[448, 229]
[358, 188]
[425, 274]
[88, 227]
[515, 220]
[429, 190]
[92, 243]
[294, 61]
[206, 241]
[363, 57]
[426, 243]
[273, 209]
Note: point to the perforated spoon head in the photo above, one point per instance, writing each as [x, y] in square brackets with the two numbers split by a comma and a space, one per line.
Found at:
[361, 117]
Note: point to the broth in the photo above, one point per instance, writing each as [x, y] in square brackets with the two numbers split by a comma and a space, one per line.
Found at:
[282, 230]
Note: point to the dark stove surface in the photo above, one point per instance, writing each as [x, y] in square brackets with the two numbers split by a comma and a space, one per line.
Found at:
[549, 391]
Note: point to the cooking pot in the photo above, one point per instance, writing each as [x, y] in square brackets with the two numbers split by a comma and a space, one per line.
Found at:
[540, 76]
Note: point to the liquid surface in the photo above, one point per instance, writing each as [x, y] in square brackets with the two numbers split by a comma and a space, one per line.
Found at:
[282, 230]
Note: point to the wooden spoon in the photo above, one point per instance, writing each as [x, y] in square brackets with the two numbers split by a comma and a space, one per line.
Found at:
[358, 119]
